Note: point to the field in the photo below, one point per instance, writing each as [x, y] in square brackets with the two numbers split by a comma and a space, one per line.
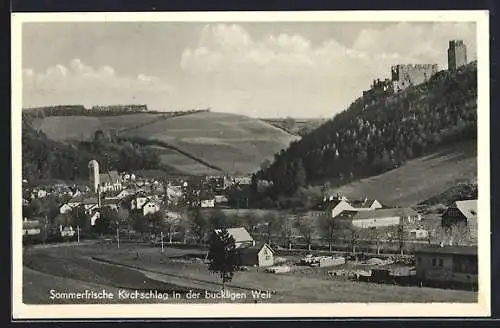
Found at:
[233, 143]
[132, 267]
[420, 178]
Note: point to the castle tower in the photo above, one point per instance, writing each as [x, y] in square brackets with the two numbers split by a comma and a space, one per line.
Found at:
[457, 54]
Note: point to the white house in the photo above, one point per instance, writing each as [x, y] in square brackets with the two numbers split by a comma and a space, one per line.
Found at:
[65, 208]
[207, 203]
[138, 202]
[150, 207]
[66, 231]
[378, 217]
[93, 217]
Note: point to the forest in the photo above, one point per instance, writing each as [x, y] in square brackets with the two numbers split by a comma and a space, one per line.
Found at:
[47, 159]
[378, 133]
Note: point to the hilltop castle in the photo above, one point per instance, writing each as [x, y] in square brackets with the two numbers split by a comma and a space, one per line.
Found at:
[404, 76]
[457, 54]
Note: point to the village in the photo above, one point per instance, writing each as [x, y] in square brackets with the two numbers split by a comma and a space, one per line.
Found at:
[368, 241]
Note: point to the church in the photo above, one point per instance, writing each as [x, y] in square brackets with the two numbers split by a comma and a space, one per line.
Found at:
[103, 182]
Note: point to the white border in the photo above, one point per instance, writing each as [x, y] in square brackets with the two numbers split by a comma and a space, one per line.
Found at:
[482, 308]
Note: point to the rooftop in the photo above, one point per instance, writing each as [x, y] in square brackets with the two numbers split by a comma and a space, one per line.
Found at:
[454, 250]
[239, 234]
[377, 213]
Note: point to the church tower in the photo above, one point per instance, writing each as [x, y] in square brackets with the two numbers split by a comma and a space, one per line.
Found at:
[94, 179]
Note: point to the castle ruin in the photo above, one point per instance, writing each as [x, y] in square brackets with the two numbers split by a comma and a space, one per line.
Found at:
[457, 54]
[404, 76]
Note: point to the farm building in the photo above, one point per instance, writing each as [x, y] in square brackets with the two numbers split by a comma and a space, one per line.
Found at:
[257, 255]
[337, 204]
[378, 217]
[461, 213]
[241, 237]
[447, 264]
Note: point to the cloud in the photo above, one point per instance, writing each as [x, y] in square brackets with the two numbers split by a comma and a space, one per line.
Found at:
[289, 71]
[81, 83]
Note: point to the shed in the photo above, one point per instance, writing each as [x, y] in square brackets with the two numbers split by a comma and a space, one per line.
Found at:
[261, 255]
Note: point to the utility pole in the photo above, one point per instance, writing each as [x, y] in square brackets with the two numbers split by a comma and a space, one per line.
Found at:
[161, 236]
[78, 234]
[118, 234]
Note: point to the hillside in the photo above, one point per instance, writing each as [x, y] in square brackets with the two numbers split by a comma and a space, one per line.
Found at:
[419, 178]
[381, 132]
[198, 143]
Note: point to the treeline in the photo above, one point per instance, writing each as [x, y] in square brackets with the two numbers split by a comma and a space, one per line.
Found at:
[47, 159]
[114, 110]
[375, 135]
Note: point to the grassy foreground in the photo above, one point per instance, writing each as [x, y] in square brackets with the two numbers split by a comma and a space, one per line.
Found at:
[144, 268]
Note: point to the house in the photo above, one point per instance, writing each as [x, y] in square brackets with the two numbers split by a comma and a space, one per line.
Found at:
[113, 204]
[138, 202]
[462, 212]
[150, 207]
[378, 217]
[206, 199]
[260, 255]
[110, 181]
[243, 181]
[120, 194]
[93, 217]
[241, 237]
[447, 264]
[220, 199]
[366, 204]
[65, 208]
[66, 231]
[31, 227]
[418, 233]
[207, 203]
[90, 202]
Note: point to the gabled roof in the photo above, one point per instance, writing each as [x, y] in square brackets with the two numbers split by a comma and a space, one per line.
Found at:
[363, 203]
[239, 234]
[110, 201]
[377, 213]
[468, 208]
[255, 248]
[89, 200]
[109, 177]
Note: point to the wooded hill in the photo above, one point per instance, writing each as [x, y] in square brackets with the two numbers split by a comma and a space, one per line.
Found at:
[379, 133]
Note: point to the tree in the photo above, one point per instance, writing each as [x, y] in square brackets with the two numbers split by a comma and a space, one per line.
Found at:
[222, 256]
[402, 236]
[375, 235]
[306, 229]
[327, 228]
[81, 218]
[106, 221]
[287, 232]
[199, 224]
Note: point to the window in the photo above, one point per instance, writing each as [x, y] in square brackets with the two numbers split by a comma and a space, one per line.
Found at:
[440, 262]
[268, 257]
[433, 262]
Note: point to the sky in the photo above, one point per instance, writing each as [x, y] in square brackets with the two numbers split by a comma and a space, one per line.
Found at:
[301, 70]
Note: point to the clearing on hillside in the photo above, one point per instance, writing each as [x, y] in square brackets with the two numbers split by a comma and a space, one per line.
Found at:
[419, 178]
